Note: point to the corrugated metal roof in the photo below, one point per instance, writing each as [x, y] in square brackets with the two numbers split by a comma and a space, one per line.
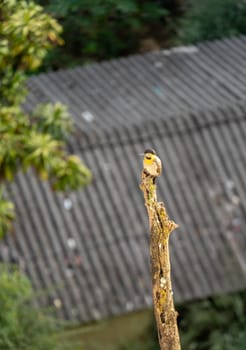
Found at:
[95, 257]
[159, 84]
[90, 248]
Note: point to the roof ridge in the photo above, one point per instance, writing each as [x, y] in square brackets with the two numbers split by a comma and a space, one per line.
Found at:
[176, 124]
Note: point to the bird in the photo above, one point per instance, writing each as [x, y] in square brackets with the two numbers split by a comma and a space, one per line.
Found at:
[151, 164]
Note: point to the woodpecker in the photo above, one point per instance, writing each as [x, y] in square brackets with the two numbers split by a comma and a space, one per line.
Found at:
[152, 164]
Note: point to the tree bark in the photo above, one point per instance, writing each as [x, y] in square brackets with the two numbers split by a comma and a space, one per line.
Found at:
[160, 229]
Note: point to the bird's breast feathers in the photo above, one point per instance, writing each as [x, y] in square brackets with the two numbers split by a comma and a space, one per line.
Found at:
[153, 167]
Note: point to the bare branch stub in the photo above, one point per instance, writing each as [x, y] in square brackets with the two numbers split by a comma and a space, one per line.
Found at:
[160, 229]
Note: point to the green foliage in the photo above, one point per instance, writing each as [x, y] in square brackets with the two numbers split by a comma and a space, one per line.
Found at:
[21, 326]
[34, 140]
[101, 29]
[209, 19]
[70, 171]
[54, 119]
[96, 30]
[6, 213]
[26, 34]
[217, 323]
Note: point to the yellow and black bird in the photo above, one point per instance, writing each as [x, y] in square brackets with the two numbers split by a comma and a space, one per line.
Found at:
[152, 164]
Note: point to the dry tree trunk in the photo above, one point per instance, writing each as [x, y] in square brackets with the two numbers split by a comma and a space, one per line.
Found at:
[160, 229]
